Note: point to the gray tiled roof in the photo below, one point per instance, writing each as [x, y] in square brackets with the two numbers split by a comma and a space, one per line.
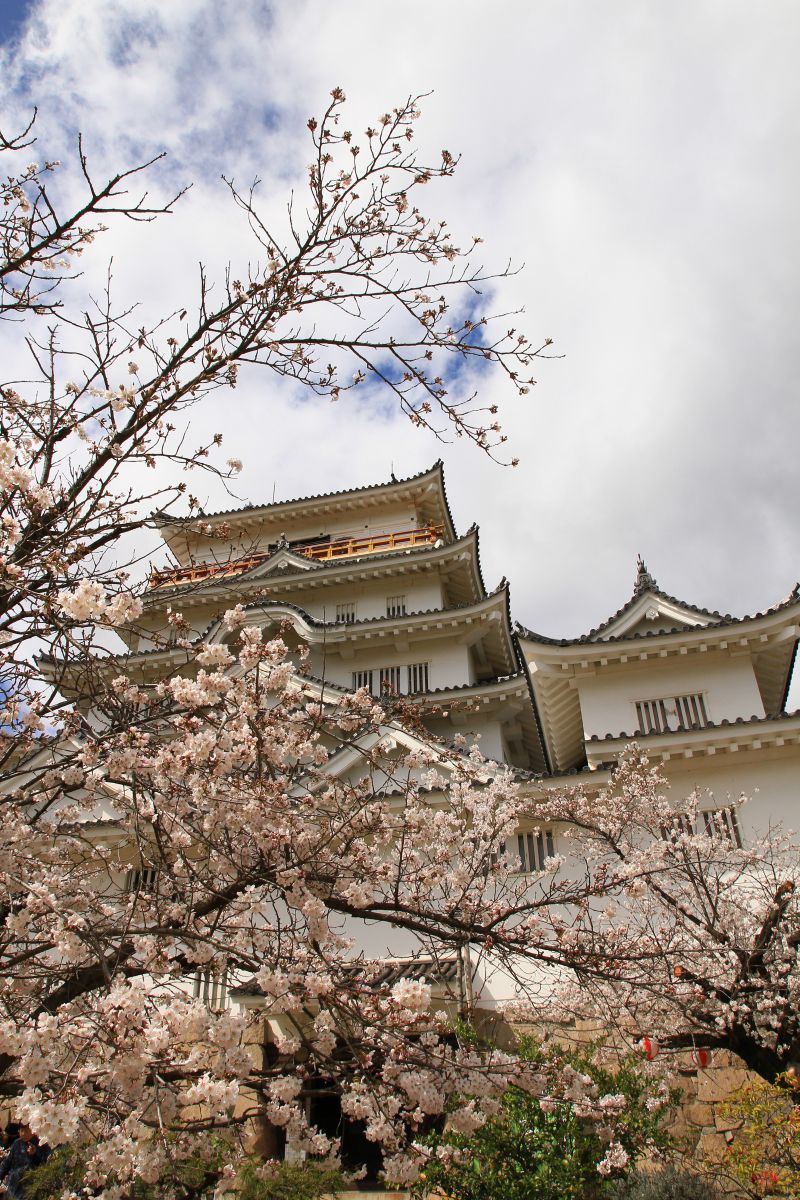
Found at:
[383, 974]
[716, 620]
[370, 487]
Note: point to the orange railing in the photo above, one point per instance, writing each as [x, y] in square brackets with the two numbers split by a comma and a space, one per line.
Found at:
[379, 543]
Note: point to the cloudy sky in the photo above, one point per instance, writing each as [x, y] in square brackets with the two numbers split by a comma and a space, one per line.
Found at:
[639, 159]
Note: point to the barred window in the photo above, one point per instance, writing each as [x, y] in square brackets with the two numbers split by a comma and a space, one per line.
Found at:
[380, 681]
[532, 848]
[418, 677]
[723, 821]
[672, 713]
[346, 612]
[211, 988]
[390, 681]
[395, 606]
[141, 879]
[720, 821]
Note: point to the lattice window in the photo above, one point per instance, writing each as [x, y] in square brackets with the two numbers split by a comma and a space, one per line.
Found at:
[346, 612]
[721, 821]
[380, 681]
[211, 988]
[141, 879]
[362, 679]
[390, 681]
[395, 606]
[672, 713]
[532, 848]
[418, 677]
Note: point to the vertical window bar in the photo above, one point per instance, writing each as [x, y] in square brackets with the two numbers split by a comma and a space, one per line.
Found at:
[654, 716]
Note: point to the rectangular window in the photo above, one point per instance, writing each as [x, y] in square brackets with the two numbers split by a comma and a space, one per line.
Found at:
[673, 713]
[395, 606]
[141, 879]
[211, 988]
[346, 613]
[723, 821]
[381, 681]
[418, 677]
[720, 821]
[390, 681]
[533, 847]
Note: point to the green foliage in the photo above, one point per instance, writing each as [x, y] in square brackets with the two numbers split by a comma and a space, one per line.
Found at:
[668, 1184]
[195, 1177]
[533, 1153]
[290, 1181]
[764, 1155]
[63, 1172]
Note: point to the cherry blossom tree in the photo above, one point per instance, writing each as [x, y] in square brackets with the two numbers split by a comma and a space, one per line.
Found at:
[262, 827]
[232, 818]
[689, 939]
[153, 830]
[363, 288]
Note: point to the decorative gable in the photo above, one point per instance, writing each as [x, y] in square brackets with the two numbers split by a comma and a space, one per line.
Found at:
[284, 562]
[652, 612]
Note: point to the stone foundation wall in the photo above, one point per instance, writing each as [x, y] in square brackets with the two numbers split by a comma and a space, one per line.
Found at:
[700, 1125]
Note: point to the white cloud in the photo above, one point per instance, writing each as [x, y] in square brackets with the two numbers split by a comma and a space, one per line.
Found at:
[639, 159]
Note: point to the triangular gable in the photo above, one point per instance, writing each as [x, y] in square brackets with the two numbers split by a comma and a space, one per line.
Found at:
[653, 612]
[283, 562]
[388, 743]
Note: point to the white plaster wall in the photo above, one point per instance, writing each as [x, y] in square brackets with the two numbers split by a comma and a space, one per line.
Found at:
[485, 729]
[727, 682]
[421, 592]
[769, 777]
[449, 662]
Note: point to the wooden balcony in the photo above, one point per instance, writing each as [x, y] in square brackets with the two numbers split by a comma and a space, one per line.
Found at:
[343, 548]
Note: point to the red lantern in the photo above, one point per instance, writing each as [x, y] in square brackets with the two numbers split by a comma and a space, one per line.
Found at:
[649, 1047]
[701, 1058]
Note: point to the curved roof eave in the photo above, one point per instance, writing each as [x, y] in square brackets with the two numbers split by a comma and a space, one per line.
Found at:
[499, 594]
[717, 621]
[313, 625]
[167, 524]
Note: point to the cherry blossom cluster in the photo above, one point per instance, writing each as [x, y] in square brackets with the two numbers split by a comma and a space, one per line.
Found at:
[212, 839]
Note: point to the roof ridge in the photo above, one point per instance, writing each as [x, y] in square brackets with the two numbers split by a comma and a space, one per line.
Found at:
[164, 519]
[719, 619]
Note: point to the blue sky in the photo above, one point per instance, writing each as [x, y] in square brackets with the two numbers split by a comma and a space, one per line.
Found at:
[640, 160]
[13, 14]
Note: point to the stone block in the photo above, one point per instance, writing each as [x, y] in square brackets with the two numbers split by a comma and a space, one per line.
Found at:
[717, 1083]
[724, 1123]
[711, 1146]
[698, 1113]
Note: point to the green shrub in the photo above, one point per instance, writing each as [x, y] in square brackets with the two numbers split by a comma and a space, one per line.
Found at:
[195, 1177]
[533, 1154]
[291, 1181]
[63, 1172]
[764, 1153]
